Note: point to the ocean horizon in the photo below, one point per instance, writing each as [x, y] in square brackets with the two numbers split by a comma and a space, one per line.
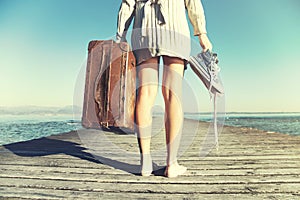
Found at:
[28, 124]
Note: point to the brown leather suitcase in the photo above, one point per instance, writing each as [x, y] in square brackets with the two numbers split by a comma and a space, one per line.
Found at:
[110, 86]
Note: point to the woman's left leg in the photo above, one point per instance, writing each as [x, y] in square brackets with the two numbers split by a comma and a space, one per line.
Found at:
[172, 92]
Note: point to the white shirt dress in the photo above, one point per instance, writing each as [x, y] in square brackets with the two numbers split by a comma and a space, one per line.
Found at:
[160, 27]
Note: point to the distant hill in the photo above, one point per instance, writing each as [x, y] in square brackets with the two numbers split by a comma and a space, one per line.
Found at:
[23, 110]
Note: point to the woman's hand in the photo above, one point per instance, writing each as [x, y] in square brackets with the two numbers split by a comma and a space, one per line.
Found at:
[204, 42]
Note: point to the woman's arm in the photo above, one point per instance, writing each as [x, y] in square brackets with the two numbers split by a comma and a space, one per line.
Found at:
[196, 15]
[125, 17]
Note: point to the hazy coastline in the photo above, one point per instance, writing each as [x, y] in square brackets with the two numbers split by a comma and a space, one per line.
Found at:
[41, 110]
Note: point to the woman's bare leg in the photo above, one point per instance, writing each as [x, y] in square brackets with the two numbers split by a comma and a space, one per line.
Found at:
[172, 92]
[147, 91]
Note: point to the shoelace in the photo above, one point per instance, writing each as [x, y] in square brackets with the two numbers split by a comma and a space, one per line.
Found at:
[213, 70]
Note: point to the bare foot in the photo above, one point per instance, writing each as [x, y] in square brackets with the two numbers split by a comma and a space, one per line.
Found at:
[175, 170]
[146, 165]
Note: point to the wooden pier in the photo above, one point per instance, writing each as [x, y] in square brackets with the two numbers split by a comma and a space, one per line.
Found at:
[95, 164]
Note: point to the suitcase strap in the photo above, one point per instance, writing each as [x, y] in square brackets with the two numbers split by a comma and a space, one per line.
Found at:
[102, 94]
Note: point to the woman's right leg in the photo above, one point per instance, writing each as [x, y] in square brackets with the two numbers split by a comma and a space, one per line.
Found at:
[147, 91]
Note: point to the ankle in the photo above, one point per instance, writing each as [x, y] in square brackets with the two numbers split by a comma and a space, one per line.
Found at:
[172, 163]
[146, 164]
[145, 155]
[146, 158]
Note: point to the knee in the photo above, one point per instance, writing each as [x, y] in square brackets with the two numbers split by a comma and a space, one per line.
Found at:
[147, 93]
[165, 92]
[169, 94]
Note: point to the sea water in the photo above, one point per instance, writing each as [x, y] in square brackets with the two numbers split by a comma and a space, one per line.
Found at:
[16, 128]
[286, 123]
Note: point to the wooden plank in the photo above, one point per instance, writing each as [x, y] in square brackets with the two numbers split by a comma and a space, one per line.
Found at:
[28, 193]
[189, 178]
[154, 187]
[224, 171]
[194, 164]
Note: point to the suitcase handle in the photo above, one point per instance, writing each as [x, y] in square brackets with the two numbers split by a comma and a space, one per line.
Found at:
[124, 46]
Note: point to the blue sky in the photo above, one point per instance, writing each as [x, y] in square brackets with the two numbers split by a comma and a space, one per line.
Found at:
[43, 48]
